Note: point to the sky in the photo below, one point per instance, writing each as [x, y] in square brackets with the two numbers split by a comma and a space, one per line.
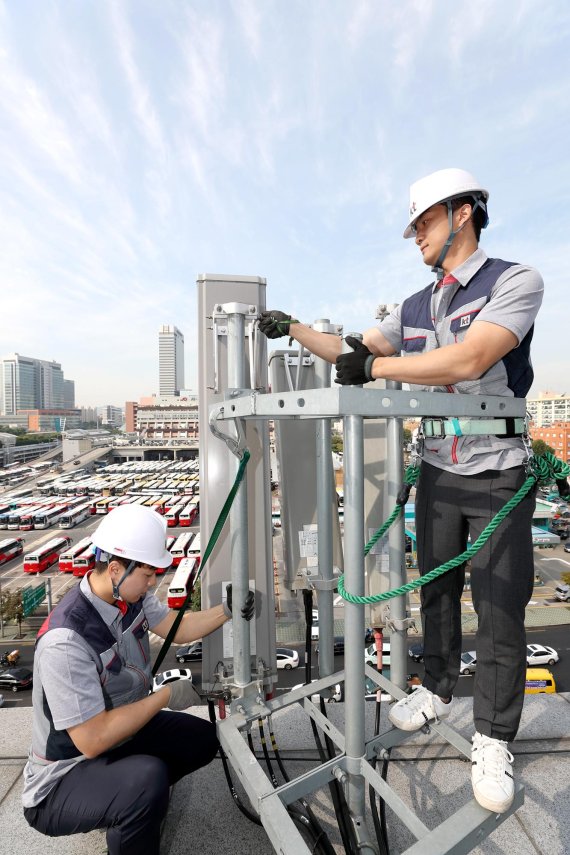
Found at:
[143, 142]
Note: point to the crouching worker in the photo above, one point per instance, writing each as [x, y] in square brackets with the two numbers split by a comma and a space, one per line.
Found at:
[104, 751]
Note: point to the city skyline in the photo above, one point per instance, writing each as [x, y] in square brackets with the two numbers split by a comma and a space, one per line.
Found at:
[145, 144]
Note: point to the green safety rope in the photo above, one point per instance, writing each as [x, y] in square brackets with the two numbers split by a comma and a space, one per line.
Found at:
[211, 543]
[543, 468]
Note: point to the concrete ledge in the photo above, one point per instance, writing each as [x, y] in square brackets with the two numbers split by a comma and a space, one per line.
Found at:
[425, 772]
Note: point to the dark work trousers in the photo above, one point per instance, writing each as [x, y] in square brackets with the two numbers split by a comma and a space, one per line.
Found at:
[126, 790]
[449, 507]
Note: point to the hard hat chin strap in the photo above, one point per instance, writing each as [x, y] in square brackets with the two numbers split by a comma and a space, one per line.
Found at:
[438, 266]
[129, 569]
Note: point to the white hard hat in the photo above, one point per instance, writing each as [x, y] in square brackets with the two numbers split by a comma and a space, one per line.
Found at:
[438, 187]
[135, 533]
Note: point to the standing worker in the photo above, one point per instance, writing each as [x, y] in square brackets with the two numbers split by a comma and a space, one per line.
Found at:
[104, 752]
[468, 332]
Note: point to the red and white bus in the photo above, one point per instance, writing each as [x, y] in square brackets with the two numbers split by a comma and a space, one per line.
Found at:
[76, 515]
[195, 549]
[46, 555]
[182, 582]
[23, 518]
[188, 514]
[84, 562]
[180, 547]
[66, 558]
[172, 516]
[51, 516]
[170, 541]
[10, 548]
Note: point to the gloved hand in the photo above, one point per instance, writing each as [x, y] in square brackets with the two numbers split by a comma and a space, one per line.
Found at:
[355, 367]
[182, 695]
[248, 608]
[274, 323]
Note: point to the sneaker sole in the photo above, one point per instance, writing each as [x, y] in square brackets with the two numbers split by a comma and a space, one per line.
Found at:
[494, 807]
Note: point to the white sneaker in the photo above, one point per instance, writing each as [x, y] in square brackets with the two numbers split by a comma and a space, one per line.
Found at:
[418, 709]
[492, 773]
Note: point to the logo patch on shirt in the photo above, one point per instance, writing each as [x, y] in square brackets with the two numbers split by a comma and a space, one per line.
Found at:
[145, 625]
[465, 321]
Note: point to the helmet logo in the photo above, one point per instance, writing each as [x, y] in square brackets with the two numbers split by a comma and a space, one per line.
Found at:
[118, 549]
[412, 209]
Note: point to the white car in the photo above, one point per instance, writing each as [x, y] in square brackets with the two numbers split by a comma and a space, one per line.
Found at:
[287, 658]
[370, 657]
[335, 696]
[171, 675]
[468, 663]
[538, 654]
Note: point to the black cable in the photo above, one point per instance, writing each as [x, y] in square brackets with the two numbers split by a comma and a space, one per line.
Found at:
[340, 805]
[323, 838]
[235, 796]
[379, 821]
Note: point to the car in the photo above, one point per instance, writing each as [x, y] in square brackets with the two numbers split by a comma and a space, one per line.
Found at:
[336, 693]
[468, 663]
[370, 656]
[539, 654]
[169, 676]
[416, 652]
[287, 658]
[562, 593]
[16, 679]
[539, 681]
[567, 547]
[189, 652]
[338, 646]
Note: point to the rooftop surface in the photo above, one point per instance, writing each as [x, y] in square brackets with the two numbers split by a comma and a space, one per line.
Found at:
[426, 772]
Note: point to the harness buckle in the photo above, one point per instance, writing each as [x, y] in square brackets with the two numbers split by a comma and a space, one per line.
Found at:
[439, 422]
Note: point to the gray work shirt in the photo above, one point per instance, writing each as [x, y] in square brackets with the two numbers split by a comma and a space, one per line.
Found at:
[513, 303]
[67, 674]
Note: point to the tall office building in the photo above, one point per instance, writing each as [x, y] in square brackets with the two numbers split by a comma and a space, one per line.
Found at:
[29, 384]
[170, 360]
[69, 394]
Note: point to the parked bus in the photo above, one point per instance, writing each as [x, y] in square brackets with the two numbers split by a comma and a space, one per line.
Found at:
[180, 547]
[10, 548]
[46, 555]
[194, 550]
[84, 562]
[66, 557]
[27, 515]
[182, 582]
[172, 516]
[188, 514]
[47, 518]
[76, 515]
[93, 504]
[102, 506]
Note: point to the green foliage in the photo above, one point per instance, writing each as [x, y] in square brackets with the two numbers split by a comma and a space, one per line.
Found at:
[35, 438]
[407, 435]
[539, 446]
[12, 608]
[196, 602]
[337, 443]
[17, 431]
[565, 577]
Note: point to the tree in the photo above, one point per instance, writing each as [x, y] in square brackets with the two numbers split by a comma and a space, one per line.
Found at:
[407, 435]
[539, 446]
[12, 607]
[337, 444]
[196, 601]
[565, 578]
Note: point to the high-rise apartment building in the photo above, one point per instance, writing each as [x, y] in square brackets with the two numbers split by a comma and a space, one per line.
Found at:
[28, 384]
[549, 407]
[110, 415]
[170, 360]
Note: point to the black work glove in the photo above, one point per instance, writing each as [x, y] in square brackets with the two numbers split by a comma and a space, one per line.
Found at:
[248, 608]
[354, 368]
[274, 323]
